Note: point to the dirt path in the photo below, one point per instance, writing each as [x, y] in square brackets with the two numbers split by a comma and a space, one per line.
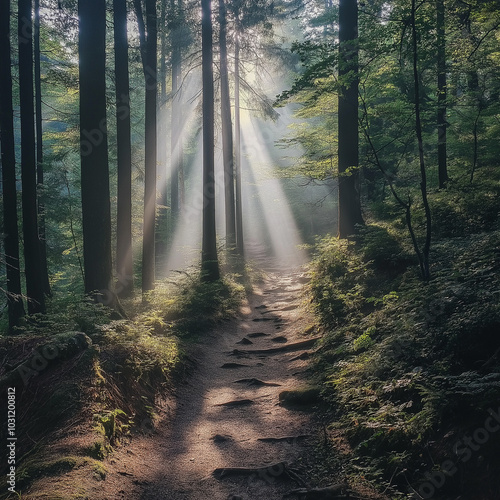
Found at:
[199, 434]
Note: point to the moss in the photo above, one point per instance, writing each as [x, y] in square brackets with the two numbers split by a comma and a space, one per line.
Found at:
[36, 468]
[99, 470]
[97, 450]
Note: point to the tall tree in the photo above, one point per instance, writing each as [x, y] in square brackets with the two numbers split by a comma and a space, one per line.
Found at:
[209, 261]
[148, 42]
[240, 247]
[11, 233]
[175, 132]
[124, 260]
[442, 94]
[39, 151]
[96, 213]
[424, 257]
[348, 136]
[32, 255]
[227, 131]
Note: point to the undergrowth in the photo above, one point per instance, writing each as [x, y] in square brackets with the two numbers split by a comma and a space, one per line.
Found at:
[112, 389]
[410, 368]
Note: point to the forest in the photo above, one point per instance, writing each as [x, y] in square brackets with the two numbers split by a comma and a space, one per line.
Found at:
[250, 249]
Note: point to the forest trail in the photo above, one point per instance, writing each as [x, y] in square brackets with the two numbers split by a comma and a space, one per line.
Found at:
[199, 433]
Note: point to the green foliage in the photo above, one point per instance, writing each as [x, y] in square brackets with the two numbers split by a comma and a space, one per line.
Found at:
[381, 245]
[190, 306]
[110, 424]
[423, 359]
[337, 281]
[364, 341]
[466, 208]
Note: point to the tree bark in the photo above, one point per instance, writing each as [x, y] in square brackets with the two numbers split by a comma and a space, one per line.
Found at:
[32, 257]
[227, 132]
[418, 130]
[149, 61]
[11, 232]
[124, 258]
[39, 152]
[209, 261]
[240, 248]
[96, 212]
[442, 95]
[175, 131]
[348, 135]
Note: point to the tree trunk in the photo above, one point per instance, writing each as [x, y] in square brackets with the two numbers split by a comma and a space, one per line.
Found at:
[237, 147]
[418, 130]
[227, 132]
[11, 232]
[442, 95]
[175, 132]
[348, 135]
[149, 61]
[39, 152]
[209, 261]
[124, 259]
[162, 211]
[96, 211]
[32, 257]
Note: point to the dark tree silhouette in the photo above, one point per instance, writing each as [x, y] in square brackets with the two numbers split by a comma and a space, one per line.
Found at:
[227, 131]
[209, 261]
[39, 151]
[424, 257]
[10, 229]
[237, 142]
[32, 254]
[348, 135]
[124, 260]
[94, 149]
[175, 129]
[442, 92]
[148, 42]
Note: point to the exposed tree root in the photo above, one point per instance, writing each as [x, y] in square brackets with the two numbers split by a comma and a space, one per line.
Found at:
[258, 334]
[233, 365]
[269, 472]
[255, 381]
[245, 341]
[273, 350]
[236, 402]
[281, 339]
[288, 439]
[334, 492]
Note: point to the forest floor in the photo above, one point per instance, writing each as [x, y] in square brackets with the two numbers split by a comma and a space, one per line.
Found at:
[226, 414]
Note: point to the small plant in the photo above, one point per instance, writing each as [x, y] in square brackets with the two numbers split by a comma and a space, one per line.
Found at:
[110, 426]
[364, 341]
